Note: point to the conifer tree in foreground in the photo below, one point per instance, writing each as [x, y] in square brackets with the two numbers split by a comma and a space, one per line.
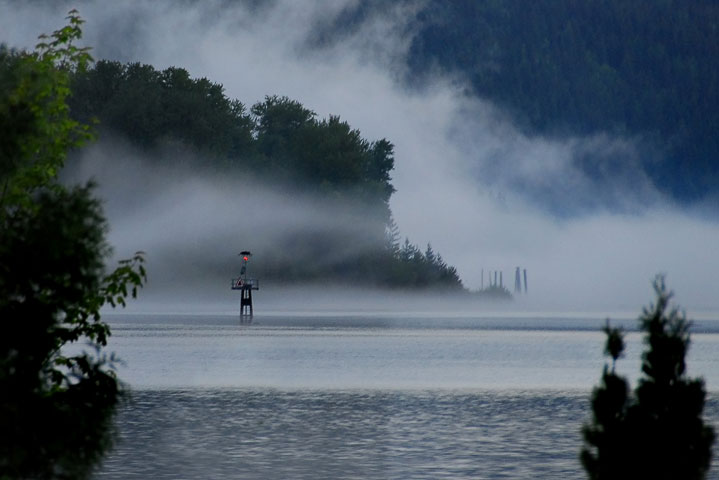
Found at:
[657, 431]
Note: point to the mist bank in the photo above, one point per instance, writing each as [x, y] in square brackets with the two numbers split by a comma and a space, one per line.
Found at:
[192, 222]
[332, 306]
[466, 173]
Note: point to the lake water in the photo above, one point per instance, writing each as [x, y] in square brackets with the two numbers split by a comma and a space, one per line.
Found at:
[331, 395]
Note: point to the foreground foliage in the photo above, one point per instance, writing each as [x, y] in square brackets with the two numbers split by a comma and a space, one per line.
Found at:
[56, 401]
[657, 432]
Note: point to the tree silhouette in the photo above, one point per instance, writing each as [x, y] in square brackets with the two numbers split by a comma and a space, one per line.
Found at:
[56, 406]
[615, 343]
[658, 432]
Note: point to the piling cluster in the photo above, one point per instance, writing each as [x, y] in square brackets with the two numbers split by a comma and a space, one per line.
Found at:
[496, 280]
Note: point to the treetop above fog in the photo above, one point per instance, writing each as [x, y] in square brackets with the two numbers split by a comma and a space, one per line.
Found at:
[277, 138]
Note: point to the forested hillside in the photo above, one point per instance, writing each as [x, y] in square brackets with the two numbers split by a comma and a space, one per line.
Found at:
[277, 141]
[647, 69]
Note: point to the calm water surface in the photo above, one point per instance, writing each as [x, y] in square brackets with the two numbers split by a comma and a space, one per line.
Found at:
[364, 397]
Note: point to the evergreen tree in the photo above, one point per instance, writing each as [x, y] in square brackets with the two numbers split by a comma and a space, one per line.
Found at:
[392, 237]
[429, 255]
[657, 432]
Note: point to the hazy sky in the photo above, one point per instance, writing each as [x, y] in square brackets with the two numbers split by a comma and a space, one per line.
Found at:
[467, 180]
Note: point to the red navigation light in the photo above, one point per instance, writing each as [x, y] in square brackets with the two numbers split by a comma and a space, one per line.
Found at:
[245, 258]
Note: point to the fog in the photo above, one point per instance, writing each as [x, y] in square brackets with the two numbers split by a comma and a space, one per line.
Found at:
[486, 196]
[193, 224]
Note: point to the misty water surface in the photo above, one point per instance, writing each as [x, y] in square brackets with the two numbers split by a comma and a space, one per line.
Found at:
[378, 351]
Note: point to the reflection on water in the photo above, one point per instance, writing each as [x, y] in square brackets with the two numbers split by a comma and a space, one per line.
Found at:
[362, 398]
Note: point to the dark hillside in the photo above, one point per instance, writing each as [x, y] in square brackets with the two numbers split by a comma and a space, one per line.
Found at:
[648, 69]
